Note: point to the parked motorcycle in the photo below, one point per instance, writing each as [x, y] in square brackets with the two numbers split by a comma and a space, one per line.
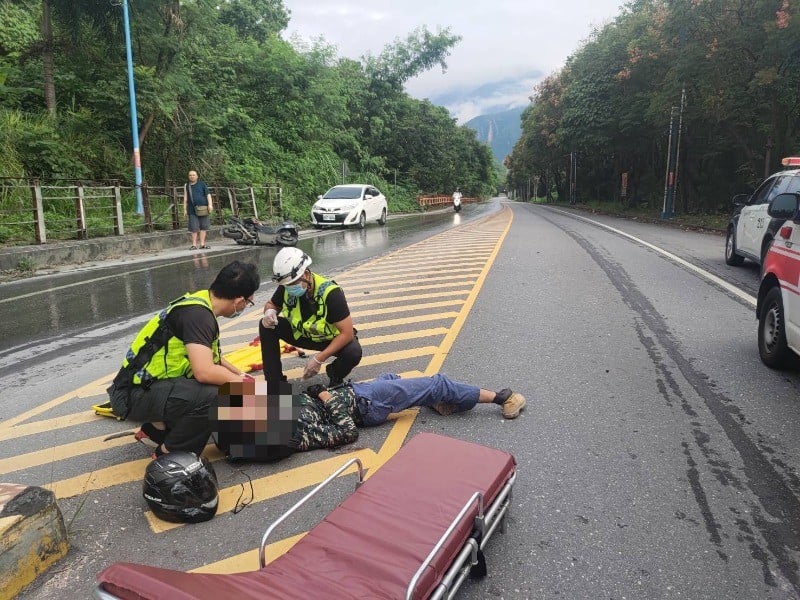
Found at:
[252, 232]
[457, 201]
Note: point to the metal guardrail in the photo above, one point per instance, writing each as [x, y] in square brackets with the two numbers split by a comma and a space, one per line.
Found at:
[35, 210]
[426, 201]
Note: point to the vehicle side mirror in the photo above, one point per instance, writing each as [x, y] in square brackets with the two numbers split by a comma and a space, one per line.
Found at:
[740, 200]
[784, 206]
[319, 197]
[368, 197]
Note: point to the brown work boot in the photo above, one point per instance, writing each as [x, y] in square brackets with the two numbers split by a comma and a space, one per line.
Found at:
[513, 406]
[444, 409]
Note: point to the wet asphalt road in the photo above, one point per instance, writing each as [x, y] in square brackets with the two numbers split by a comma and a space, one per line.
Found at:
[42, 315]
[658, 458]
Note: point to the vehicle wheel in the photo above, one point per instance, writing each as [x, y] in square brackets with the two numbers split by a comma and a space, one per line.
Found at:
[382, 220]
[362, 221]
[731, 258]
[772, 347]
[287, 239]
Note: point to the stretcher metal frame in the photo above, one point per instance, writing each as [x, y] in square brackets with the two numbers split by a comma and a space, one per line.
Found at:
[475, 521]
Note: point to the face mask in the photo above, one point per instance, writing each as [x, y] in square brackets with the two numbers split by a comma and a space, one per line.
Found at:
[236, 313]
[296, 290]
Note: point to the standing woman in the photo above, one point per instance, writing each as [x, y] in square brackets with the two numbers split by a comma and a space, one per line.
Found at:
[197, 206]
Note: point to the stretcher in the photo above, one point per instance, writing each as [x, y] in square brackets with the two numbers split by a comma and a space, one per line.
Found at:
[416, 529]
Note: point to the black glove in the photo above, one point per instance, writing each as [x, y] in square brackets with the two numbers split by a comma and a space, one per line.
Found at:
[315, 390]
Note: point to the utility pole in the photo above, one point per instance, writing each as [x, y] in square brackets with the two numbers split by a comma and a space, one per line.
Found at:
[673, 152]
[137, 159]
[573, 177]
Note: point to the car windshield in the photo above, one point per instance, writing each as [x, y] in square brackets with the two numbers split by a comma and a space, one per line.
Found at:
[343, 193]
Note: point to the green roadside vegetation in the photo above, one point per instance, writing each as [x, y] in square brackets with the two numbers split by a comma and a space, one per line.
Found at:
[220, 91]
[736, 66]
[711, 221]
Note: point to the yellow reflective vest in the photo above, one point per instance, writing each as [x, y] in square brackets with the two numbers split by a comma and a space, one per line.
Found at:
[316, 327]
[169, 358]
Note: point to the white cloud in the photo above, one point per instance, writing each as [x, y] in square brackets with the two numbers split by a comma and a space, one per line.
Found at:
[502, 40]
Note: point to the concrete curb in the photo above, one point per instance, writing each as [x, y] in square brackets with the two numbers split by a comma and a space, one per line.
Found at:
[81, 251]
[32, 536]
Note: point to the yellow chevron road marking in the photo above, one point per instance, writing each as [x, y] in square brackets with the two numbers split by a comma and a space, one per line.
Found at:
[100, 479]
[79, 393]
[447, 343]
[406, 321]
[389, 290]
[407, 298]
[18, 431]
[56, 453]
[409, 280]
[459, 259]
[379, 359]
[406, 309]
[406, 335]
[451, 274]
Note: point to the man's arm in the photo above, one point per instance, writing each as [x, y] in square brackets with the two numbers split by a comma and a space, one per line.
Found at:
[231, 367]
[346, 335]
[208, 197]
[336, 429]
[205, 370]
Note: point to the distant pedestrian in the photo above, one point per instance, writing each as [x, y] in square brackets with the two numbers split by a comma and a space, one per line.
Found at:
[197, 205]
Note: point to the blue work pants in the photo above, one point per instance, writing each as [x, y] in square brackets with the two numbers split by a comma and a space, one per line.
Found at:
[389, 393]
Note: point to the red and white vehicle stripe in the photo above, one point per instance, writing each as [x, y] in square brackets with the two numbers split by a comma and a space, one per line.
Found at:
[784, 263]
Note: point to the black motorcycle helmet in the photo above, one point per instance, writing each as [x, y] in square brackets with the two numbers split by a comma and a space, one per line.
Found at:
[180, 487]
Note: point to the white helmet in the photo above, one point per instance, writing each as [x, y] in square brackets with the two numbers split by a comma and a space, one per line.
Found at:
[289, 265]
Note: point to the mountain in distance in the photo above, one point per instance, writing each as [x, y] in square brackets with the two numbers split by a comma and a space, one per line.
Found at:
[492, 109]
[499, 130]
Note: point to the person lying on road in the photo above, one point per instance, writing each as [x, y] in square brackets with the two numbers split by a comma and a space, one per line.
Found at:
[251, 425]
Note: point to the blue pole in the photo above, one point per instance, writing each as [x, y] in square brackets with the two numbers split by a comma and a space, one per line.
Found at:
[137, 161]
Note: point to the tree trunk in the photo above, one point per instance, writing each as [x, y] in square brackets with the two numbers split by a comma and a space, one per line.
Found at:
[145, 128]
[48, 62]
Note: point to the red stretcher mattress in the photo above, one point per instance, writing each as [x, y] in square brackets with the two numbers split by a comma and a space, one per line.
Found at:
[370, 546]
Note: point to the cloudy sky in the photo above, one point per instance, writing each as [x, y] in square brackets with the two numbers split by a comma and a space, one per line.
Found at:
[507, 45]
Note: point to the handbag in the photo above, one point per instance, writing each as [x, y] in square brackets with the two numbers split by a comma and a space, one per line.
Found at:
[200, 210]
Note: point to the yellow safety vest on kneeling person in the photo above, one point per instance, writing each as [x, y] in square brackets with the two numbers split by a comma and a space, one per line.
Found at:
[170, 359]
[316, 327]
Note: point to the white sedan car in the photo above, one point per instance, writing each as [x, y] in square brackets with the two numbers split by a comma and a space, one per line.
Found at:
[349, 205]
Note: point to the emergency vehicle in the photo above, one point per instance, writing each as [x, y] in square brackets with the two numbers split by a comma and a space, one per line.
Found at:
[751, 230]
[778, 305]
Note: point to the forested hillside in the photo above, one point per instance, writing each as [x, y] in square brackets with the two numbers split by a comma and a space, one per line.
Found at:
[219, 91]
[739, 62]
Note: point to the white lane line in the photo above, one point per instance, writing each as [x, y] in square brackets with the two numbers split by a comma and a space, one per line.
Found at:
[677, 259]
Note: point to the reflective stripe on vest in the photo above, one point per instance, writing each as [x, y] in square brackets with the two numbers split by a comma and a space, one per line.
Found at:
[171, 360]
[316, 327]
